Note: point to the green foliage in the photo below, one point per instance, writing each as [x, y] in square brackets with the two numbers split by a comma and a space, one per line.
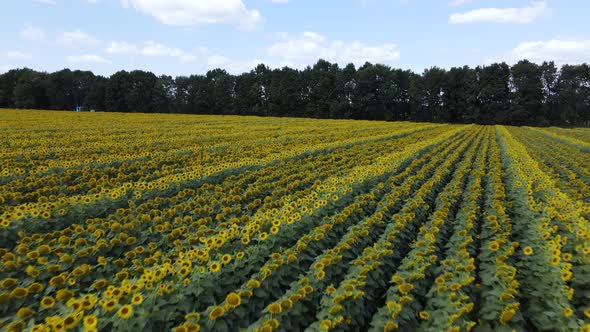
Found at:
[523, 94]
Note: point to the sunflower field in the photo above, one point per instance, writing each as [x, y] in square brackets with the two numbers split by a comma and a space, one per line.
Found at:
[145, 222]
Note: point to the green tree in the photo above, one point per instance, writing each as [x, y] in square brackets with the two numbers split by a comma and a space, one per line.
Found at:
[221, 91]
[527, 103]
[30, 90]
[96, 97]
[574, 95]
[494, 93]
[321, 90]
[460, 98]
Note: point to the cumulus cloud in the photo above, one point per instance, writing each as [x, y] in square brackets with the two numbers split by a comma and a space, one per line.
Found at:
[521, 15]
[122, 48]
[218, 60]
[5, 68]
[309, 47]
[32, 32]
[562, 51]
[150, 48]
[206, 58]
[197, 12]
[460, 2]
[232, 65]
[17, 55]
[76, 38]
[86, 58]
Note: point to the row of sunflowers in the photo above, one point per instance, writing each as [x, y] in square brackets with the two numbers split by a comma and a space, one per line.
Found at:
[173, 222]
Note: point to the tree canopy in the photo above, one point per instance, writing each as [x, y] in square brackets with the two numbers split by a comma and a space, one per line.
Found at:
[522, 94]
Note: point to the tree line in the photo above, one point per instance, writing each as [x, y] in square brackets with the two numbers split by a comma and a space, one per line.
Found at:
[522, 94]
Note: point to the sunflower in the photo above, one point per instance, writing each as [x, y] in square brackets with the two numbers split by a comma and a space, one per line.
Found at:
[286, 304]
[108, 305]
[57, 280]
[19, 292]
[70, 321]
[100, 283]
[47, 302]
[240, 255]
[567, 312]
[216, 313]
[494, 246]
[527, 251]
[393, 306]
[405, 288]
[226, 259]
[15, 326]
[8, 282]
[265, 328]
[214, 267]
[137, 299]
[274, 308]
[390, 326]
[233, 300]
[24, 312]
[424, 315]
[90, 321]
[192, 316]
[506, 316]
[125, 311]
[272, 323]
[405, 299]
[253, 283]
[321, 275]
[330, 289]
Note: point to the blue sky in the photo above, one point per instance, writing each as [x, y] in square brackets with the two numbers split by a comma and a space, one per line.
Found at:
[180, 37]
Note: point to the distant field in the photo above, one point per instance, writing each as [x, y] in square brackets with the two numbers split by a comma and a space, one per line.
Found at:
[137, 222]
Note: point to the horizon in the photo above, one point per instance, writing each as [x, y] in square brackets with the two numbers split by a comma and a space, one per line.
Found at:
[309, 66]
[181, 37]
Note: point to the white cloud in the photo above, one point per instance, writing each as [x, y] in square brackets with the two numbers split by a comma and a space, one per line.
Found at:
[198, 12]
[5, 68]
[234, 66]
[310, 46]
[150, 48]
[206, 59]
[280, 1]
[17, 55]
[49, 2]
[501, 15]
[460, 2]
[76, 38]
[86, 58]
[561, 51]
[32, 32]
[122, 48]
[217, 60]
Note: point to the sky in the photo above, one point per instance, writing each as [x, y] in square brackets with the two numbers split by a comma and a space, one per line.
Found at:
[183, 37]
